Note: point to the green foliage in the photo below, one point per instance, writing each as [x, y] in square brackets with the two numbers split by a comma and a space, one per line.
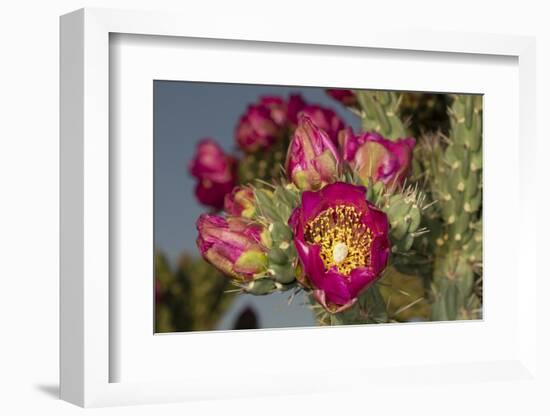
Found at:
[191, 297]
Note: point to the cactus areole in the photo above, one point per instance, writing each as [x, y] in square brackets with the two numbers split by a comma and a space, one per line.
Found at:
[342, 243]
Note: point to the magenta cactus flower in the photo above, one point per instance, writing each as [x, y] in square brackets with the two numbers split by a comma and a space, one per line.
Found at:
[374, 157]
[233, 245]
[312, 159]
[342, 243]
[267, 121]
[277, 108]
[271, 118]
[215, 171]
[240, 202]
[295, 105]
[326, 119]
[257, 129]
[346, 97]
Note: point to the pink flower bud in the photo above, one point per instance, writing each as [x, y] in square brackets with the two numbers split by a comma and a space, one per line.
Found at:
[240, 202]
[374, 157]
[326, 119]
[215, 171]
[262, 124]
[312, 160]
[295, 105]
[233, 245]
[346, 97]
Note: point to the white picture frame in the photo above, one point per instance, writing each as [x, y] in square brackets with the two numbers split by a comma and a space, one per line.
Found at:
[87, 302]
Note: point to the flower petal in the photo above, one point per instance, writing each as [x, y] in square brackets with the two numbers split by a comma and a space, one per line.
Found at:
[360, 279]
[341, 193]
[335, 287]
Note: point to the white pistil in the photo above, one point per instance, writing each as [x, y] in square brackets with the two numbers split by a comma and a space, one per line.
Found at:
[339, 252]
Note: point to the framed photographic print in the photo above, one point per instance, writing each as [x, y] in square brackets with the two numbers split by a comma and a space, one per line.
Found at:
[233, 203]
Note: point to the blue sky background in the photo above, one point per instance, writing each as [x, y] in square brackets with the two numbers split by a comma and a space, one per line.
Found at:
[185, 112]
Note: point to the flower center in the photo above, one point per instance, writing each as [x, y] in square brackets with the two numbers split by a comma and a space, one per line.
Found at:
[343, 238]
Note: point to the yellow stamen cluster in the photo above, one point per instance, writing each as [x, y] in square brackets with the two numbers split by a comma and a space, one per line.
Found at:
[344, 240]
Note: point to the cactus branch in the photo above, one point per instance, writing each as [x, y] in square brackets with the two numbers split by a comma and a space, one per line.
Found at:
[456, 176]
[380, 113]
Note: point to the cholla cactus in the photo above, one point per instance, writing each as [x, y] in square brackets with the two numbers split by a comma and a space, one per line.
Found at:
[380, 113]
[328, 233]
[375, 227]
[454, 167]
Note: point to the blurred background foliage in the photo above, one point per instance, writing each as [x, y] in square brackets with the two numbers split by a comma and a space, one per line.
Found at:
[190, 297]
[425, 113]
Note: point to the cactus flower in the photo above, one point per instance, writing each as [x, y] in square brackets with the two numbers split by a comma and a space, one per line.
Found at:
[374, 157]
[263, 124]
[342, 243]
[215, 171]
[326, 119]
[240, 202]
[256, 130]
[272, 118]
[277, 108]
[313, 159]
[346, 97]
[295, 105]
[233, 245]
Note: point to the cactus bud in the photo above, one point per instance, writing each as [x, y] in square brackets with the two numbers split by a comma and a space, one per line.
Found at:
[375, 158]
[240, 202]
[232, 245]
[214, 171]
[346, 97]
[312, 160]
